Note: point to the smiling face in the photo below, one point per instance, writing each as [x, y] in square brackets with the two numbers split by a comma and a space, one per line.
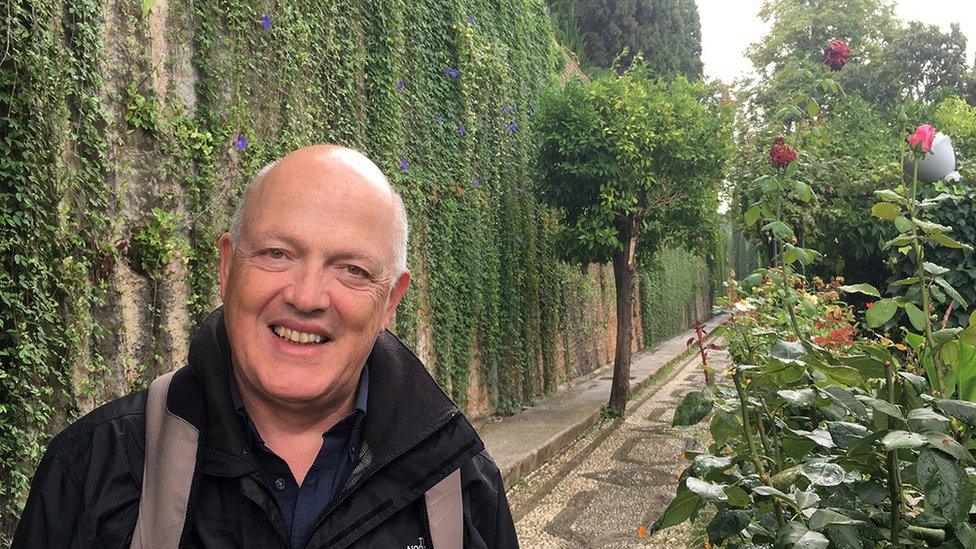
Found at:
[309, 284]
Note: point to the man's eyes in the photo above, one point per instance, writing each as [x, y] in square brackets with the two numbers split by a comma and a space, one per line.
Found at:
[275, 253]
[356, 271]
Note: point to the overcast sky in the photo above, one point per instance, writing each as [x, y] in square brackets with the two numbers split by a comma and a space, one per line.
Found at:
[729, 26]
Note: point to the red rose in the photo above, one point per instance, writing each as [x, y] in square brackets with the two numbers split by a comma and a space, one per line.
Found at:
[870, 304]
[780, 153]
[921, 140]
[836, 54]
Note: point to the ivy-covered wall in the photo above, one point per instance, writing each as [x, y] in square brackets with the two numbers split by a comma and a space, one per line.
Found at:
[128, 128]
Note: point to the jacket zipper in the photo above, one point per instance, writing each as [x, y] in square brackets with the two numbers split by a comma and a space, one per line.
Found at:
[344, 496]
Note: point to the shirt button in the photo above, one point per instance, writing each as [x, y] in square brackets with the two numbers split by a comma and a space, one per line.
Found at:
[280, 484]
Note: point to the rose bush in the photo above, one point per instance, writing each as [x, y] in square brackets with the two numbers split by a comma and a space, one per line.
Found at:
[837, 428]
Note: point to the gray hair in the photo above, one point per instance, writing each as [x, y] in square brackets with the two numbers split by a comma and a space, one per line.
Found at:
[239, 217]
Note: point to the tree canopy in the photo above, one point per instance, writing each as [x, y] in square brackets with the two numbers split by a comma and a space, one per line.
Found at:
[632, 163]
[668, 32]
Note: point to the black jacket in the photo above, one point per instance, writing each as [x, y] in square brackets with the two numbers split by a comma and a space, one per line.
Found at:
[86, 489]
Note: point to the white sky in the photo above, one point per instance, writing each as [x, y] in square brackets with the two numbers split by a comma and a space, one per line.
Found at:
[729, 26]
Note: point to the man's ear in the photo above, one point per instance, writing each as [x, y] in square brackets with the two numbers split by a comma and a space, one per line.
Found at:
[226, 257]
[396, 294]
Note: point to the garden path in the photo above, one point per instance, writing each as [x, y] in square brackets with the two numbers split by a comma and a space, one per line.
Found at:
[615, 477]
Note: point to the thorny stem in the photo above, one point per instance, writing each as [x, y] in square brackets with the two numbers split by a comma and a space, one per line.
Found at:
[747, 432]
[767, 447]
[922, 283]
[894, 480]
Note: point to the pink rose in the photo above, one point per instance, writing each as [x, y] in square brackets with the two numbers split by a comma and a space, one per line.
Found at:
[921, 140]
[836, 54]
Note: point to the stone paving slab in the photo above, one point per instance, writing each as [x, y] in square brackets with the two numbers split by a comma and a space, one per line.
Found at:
[522, 442]
[616, 477]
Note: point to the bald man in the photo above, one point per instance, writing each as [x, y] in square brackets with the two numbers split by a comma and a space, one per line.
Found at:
[299, 421]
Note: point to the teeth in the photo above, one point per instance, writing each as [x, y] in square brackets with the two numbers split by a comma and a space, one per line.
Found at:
[296, 336]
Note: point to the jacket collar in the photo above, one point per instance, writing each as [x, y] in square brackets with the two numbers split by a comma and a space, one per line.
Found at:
[406, 404]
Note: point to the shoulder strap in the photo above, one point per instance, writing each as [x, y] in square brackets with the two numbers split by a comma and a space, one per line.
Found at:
[445, 513]
[171, 450]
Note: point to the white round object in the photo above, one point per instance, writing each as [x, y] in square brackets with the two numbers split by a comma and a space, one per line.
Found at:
[938, 163]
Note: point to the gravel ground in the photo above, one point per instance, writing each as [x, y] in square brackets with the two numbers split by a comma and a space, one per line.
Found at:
[614, 478]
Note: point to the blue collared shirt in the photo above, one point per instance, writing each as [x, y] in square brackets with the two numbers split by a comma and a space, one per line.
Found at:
[301, 506]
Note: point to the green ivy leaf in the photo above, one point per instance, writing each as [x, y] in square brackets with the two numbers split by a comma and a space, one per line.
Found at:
[945, 485]
[885, 408]
[795, 534]
[881, 312]
[885, 210]
[802, 397]
[708, 491]
[951, 291]
[693, 408]
[903, 224]
[947, 444]
[737, 497]
[916, 316]
[890, 196]
[959, 409]
[779, 229]
[679, 510]
[803, 191]
[727, 523]
[933, 269]
[931, 228]
[822, 518]
[752, 215]
[897, 440]
[813, 109]
[949, 242]
[706, 463]
[863, 288]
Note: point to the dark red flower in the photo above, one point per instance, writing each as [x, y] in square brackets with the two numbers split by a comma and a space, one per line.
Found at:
[836, 54]
[780, 153]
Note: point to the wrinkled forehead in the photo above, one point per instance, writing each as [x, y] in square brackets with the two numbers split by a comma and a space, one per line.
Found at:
[334, 186]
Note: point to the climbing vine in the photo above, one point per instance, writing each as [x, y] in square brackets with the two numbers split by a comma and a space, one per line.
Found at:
[120, 167]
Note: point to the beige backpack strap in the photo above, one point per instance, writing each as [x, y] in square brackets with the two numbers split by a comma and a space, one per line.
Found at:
[171, 452]
[445, 513]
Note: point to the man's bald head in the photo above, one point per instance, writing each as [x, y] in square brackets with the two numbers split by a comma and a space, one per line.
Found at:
[332, 159]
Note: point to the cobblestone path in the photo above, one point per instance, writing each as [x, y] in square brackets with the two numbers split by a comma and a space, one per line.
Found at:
[615, 477]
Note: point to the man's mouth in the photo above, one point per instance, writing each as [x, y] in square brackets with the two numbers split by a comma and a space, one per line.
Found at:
[295, 336]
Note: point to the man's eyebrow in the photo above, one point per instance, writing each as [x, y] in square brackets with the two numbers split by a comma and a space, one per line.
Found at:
[342, 255]
[282, 238]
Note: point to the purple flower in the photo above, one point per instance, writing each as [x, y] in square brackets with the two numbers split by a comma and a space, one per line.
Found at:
[266, 22]
[400, 85]
[404, 164]
[542, 292]
[471, 20]
[241, 143]
[452, 72]
[439, 119]
[506, 109]
[461, 130]
[531, 111]
[521, 190]
[476, 182]
[512, 127]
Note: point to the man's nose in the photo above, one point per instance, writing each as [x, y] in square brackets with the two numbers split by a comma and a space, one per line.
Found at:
[309, 290]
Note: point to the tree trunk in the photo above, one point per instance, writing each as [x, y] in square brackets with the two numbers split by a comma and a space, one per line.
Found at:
[623, 277]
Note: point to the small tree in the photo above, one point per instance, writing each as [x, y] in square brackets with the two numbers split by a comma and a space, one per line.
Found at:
[633, 163]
